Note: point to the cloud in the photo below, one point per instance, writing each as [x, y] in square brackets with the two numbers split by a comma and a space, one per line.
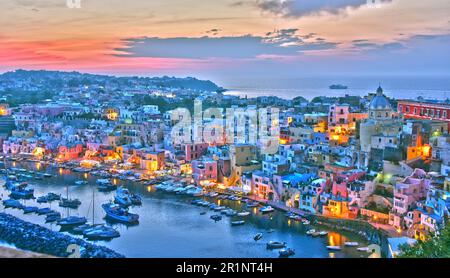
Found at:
[297, 8]
[286, 42]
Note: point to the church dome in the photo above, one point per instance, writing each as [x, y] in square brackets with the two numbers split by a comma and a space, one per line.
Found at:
[380, 102]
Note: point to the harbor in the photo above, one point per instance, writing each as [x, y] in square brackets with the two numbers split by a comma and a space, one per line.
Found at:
[175, 225]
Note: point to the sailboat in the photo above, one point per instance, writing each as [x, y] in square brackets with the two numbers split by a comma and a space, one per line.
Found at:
[98, 231]
[69, 203]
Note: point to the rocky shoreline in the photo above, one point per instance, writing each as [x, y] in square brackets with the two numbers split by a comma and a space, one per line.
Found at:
[32, 237]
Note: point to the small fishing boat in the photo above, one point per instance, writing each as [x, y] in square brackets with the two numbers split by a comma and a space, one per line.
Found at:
[101, 232]
[117, 213]
[52, 217]
[72, 221]
[258, 236]
[316, 234]
[203, 213]
[237, 223]
[28, 210]
[351, 244]
[286, 253]
[306, 222]
[53, 197]
[80, 229]
[196, 202]
[216, 217]
[230, 213]
[47, 175]
[363, 249]
[243, 213]
[323, 233]
[334, 248]
[69, 203]
[275, 245]
[20, 192]
[122, 197]
[81, 182]
[213, 207]
[42, 199]
[136, 200]
[219, 208]
[310, 232]
[213, 194]
[43, 211]
[266, 209]
[11, 203]
[104, 185]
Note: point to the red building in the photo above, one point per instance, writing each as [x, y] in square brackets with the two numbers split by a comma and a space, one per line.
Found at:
[424, 110]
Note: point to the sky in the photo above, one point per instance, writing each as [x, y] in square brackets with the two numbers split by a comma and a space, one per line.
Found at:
[228, 38]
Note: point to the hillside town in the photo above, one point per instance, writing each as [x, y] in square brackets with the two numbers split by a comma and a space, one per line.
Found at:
[374, 159]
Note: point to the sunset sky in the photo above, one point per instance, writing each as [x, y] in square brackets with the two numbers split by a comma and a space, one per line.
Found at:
[229, 38]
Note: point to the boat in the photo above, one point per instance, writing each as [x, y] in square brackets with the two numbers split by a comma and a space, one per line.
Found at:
[275, 245]
[42, 199]
[47, 175]
[323, 233]
[316, 234]
[69, 203]
[79, 230]
[27, 210]
[136, 200]
[243, 213]
[237, 223]
[12, 203]
[266, 209]
[104, 185]
[100, 232]
[258, 236]
[53, 197]
[363, 249]
[230, 212]
[286, 253]
[81, 182]
[20, 192]
[338, 87]
[117, 213]
[216, 217]
[351, 244]
[213, 207]
[44, 211]
[334, 248]
[213, 194]
[203, 213]
[306, 222]
[219, 208]
[310, 232]
[72, 221]
[52, 217]
[122, 197]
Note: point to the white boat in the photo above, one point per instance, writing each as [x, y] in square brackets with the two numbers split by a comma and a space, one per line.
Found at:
[243, 213]
[237, 223]
[213, 194]
[310, 232]
[323, 233]
[266, 209]
[351, 244]
[334, 248]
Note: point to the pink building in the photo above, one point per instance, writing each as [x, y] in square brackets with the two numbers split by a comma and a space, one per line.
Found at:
[204, 170]
[406, 195]
[19, 145]
[69, 152]
[195, 151]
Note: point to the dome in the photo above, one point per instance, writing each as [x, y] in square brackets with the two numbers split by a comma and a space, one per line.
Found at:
[380, 102]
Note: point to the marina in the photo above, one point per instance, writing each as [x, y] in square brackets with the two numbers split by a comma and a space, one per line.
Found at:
[169, 224]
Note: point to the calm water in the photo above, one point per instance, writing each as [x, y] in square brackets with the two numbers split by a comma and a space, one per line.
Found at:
[171, 227]
[397, 87]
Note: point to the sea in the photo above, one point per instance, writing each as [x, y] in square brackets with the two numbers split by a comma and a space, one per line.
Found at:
[407, 87]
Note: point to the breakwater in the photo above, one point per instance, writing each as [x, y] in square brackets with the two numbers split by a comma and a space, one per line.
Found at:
[32, 237]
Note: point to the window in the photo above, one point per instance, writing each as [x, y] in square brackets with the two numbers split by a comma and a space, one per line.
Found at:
[415, 110]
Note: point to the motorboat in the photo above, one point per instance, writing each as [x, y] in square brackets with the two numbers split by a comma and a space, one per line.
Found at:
[69, 203]
[79, 230]
[44, 211]
[219, 208]
[266, 209]
[306, 222]
[310, 232]
[136, 200]
[42, 199]
[28, 210]
[258, 236]
[243, 213]
[122, 197]
[104, 185]
[101, 232]
[213, 206]
[316, 234]
[72, 221]
[52, 217]
[334, 248]
[252, 204]
[12, 203]
[47, 175]
[351, 244]
[286, 253]
[81, 182]
[216, 217]
[117, 213]
[20, 192]
[275, 245]
[323, 233]
[196, 202]
[213, 194]
[53, 197]
[231, 212]
[237, 223]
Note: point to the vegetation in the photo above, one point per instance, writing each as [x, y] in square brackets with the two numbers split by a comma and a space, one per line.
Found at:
[436, 247]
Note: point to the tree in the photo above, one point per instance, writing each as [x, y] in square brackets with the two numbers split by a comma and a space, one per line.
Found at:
[435, 247]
